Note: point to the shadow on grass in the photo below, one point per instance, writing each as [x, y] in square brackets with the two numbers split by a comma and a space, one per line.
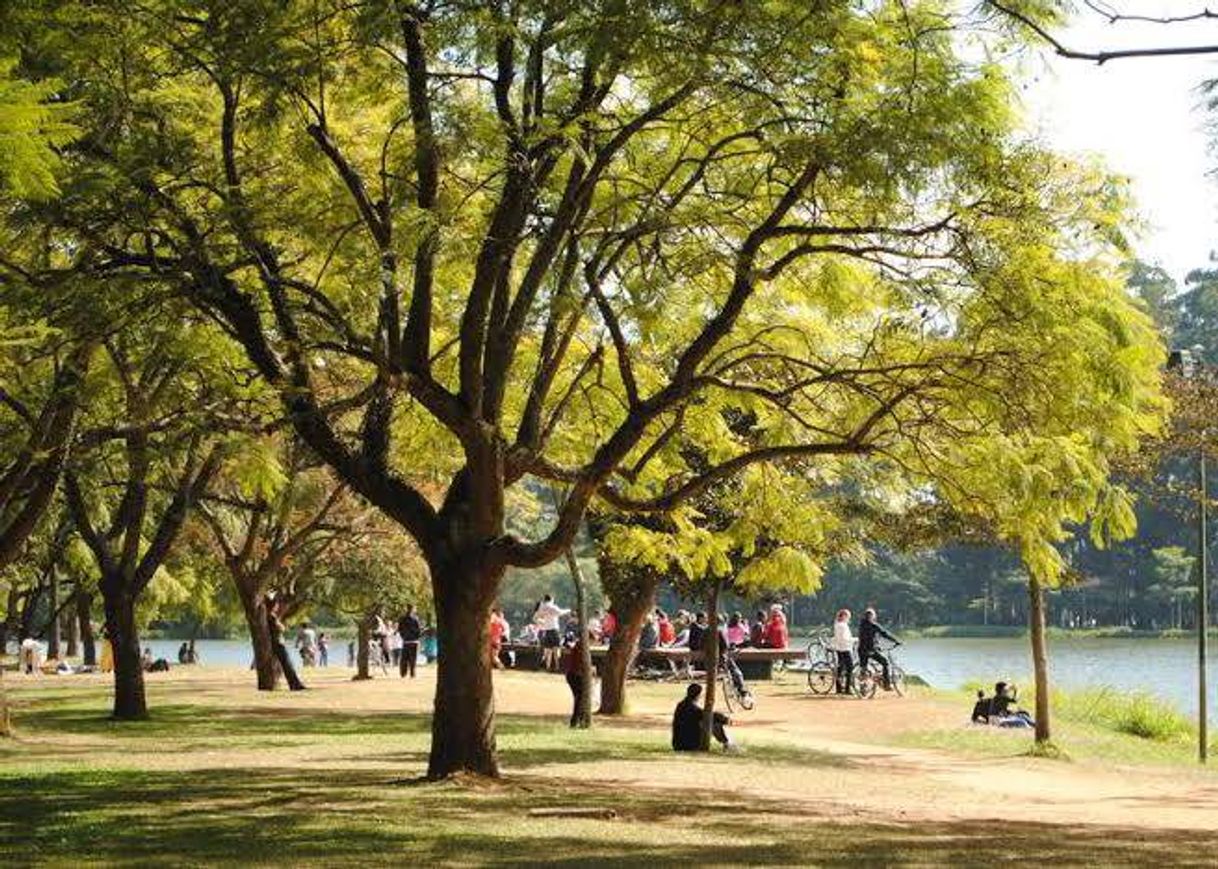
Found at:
[183, 721]
[341, 816]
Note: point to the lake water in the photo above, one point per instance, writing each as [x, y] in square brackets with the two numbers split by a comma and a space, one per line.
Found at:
[1166, 668]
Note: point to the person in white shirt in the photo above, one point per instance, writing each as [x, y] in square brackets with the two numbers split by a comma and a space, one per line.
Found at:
[843, 644]
[547, 616]
[306, 644]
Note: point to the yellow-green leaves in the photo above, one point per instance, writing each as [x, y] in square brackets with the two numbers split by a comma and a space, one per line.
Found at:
[32, 127]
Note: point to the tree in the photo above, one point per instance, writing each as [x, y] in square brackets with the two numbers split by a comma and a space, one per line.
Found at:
[480, 220]
[377, 577]
[273, 520]
[157, 451]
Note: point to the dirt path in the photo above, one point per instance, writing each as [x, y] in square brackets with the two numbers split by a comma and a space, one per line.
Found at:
[819, 756]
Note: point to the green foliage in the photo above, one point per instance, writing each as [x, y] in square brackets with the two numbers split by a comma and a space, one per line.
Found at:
[1137, 714]
[32, 128]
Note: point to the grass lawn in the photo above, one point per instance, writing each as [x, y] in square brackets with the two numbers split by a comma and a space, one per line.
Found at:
[223, 774]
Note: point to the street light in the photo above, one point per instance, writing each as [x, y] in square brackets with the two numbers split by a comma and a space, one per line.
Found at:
[1188, 363]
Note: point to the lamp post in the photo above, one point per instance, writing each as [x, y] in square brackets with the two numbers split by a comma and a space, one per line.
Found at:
[1187, 362]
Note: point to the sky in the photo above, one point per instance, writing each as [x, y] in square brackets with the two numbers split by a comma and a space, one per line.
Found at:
[1144, 118]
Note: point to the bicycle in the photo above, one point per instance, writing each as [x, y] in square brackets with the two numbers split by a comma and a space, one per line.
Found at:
[822, 666]
[869, 678]
[731, 695]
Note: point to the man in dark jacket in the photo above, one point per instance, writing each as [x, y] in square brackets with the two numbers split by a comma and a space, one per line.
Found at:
[869, 629]
[687, 723]
[410, 631]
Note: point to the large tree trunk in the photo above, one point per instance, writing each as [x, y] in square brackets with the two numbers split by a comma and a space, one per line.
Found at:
[10, 618]
[463, 724]
[583, 712]
[710, 654]
[1040, 658]
[84, 616]
[130, 701]
[72, 628]
[631, 601]
[54, 652]
[363, 641]
[253, 604]
[6, 724]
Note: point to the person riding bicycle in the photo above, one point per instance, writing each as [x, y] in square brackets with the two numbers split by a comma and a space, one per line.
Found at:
[727, 662]
[869, 630]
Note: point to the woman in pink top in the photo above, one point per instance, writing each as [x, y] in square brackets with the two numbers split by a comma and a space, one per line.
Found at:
[737, 630]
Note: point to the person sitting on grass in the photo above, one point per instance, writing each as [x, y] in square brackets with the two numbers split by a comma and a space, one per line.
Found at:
[997, 710]
[687, 724]
[1001, 713]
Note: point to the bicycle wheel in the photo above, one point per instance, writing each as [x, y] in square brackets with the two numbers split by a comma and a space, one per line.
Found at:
[865, 683]
[727, 690]
[898, 679]
[821, 678]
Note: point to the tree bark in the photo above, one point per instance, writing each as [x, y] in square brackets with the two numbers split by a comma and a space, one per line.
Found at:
[463, 723]
[1040, 658]
[631, 605]
[72, 628]
[130, 700]
[363, 639]
[266, 668]
[84, 616]
[10, 618]
[583, 714]
[710, 654]
[54, 652]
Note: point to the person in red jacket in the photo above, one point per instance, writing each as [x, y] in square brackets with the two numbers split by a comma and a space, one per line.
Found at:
[776, 628]
[668, 634]
[608, 626]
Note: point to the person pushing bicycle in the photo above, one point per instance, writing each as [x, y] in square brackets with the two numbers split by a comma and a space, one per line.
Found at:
[869, 630]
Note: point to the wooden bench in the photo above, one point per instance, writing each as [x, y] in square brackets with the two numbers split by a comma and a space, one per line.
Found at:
[754, 663]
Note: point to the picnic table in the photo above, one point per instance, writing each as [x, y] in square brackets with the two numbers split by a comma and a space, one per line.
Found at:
[754, 663]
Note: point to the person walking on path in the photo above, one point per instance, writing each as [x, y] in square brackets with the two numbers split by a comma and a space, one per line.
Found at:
[500, 633]
[575, 678]
[411, 631]
[547, 616]
[281, 651]
[843, 644]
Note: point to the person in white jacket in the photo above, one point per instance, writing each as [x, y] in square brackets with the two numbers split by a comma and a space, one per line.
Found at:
[546, 618]
[843, 644]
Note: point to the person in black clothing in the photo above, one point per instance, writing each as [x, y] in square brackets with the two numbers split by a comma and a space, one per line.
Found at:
[411, 632]
[869, 629]
[573, 656]
[697, 631]
[281, 651]
[687, 723]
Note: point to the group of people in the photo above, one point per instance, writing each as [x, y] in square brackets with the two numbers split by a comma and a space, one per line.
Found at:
[687, 630]
[843, 641]
[399, 645]
[313, 647]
